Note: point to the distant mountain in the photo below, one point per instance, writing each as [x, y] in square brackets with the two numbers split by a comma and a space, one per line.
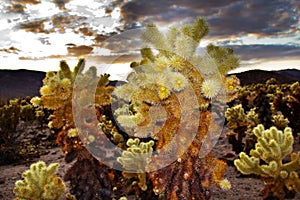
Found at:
[22, 83]
[261, 76]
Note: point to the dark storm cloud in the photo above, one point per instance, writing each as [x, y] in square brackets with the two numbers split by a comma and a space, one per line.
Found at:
[266, 52]
[229, 20]
[160, 10]
[258, 16]
[164, 12]
[228, 17]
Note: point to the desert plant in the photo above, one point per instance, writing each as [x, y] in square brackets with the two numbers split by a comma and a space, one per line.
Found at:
[40, 182]
[160, 91]
[10, 115]
[14, 116]
[266, 160]
[240, 123]
[135, 156]
[9, 120]
[287, 101]
[27, 113]
[272, 104]
[56, 95]
[270, 99]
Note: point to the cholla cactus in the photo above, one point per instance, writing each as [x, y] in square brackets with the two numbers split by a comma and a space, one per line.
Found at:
[111, 132]
[236, 117]
[10, 115]
[274, 99]
[272, 104]
[280, 122]
[40, 182]
[272, 147]
[27, 112]
[56, 94]
[181, 84]
[134, 160]
[9, 119]
[240, 137]
[176, 69]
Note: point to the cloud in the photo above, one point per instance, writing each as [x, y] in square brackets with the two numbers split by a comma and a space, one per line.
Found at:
[265, 52]
[227, 17]
[162, 10]
[272, 26]
[167, 12]
[255, 17]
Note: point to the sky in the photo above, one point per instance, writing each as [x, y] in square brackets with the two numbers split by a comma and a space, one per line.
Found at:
[37, 34]
[263, 33]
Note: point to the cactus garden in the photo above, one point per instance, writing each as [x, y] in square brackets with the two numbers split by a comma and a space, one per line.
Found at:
[179, 127]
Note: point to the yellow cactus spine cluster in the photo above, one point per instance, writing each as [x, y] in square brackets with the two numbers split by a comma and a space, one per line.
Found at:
[266, 160]
[40, 183]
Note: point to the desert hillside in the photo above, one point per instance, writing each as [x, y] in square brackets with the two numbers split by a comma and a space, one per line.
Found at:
[20, 83]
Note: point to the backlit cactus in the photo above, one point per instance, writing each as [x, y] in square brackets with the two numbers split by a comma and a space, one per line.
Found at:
[266, 160]
[57, 95]
[272, 99]
[171, 90]
[10, 115]
[40, 182]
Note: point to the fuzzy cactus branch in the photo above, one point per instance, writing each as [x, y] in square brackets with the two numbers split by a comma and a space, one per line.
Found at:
[272, 147]
[134, 160]
[40, 182]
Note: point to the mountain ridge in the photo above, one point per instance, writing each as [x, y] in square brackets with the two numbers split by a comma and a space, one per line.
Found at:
[261, 76]
[22, 83]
